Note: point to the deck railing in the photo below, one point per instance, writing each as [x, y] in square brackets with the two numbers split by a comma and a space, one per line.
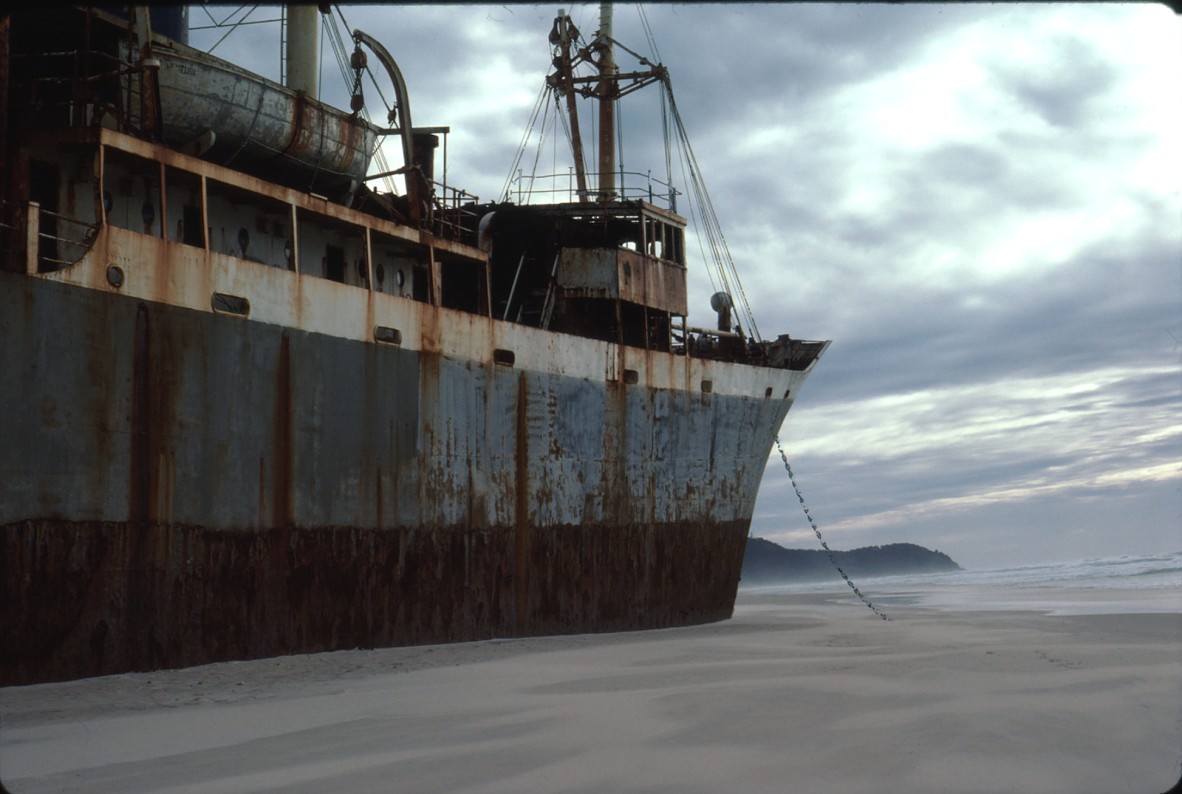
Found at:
[36, 240]
[563, 187]
[453, 217]
[74, 88]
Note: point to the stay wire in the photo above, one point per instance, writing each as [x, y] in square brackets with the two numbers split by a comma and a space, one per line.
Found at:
[539, 105]
[344, 64]
[824, 545]
[727, 272]
[648, 33]
[234, 27]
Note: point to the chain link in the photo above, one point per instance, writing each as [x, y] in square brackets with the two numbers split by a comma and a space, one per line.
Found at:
[824, 545]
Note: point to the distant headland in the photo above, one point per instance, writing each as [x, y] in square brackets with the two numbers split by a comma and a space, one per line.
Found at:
[768, 563]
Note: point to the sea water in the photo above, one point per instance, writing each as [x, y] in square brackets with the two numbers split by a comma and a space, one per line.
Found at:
[1126, 584]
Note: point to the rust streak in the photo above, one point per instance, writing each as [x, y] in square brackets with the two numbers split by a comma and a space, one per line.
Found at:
[379, 518]
[140, 486]
[521, 507]
[112, 598]
[282, 511]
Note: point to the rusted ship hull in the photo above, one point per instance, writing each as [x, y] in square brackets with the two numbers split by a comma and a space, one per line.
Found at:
[239, 418]
[186, 487]
[109, 598]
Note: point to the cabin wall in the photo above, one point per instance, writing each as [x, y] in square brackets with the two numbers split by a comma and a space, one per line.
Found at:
[610, 273]
[397, 270]
[241, 224]
[331, 249]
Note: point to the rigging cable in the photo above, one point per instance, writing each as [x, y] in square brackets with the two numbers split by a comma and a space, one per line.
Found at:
[702, 223]
[672, 198]
[538, 152]
[655, 53]
[824, 545]
[506, 192]
[233, 27]
[699, 225]
[344, 63]
[724, 261]
[619, 117]
[570, 141]
[648, 34]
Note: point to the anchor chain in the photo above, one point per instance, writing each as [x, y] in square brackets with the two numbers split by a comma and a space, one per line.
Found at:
[824, 545]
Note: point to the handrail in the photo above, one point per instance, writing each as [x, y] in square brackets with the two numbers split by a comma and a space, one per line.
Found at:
[54, 247]
[8, 236]
[713, 344]
[74, 89]
[552, 185]
[452, 207]
[81, 245]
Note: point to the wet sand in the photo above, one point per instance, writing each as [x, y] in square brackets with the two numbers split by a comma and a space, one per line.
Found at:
[799, 692]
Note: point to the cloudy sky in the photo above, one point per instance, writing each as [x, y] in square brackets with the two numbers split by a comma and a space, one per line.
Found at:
[979, 204]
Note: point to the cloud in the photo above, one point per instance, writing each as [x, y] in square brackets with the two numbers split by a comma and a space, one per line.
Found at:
[957, 454]
[978, 203]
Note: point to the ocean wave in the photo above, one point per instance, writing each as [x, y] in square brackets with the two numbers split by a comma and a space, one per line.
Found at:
[1126, 572]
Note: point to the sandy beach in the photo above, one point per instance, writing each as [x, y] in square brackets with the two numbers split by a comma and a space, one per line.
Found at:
[799, 692]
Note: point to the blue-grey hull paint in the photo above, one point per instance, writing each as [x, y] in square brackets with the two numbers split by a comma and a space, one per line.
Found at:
[182, 487]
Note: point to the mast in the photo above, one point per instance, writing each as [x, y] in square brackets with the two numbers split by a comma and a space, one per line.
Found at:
[607, 105]
[606, 85]
[563, 35]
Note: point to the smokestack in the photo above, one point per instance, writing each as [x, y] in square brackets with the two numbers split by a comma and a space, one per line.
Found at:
[303, 49]
[425, 145]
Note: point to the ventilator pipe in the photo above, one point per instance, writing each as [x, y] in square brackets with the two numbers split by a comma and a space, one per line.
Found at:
[721, 302]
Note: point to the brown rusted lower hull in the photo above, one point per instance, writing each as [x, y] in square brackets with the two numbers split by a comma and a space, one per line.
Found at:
[85, 599]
